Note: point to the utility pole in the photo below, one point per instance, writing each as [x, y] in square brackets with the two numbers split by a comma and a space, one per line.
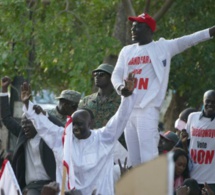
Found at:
[15, 108]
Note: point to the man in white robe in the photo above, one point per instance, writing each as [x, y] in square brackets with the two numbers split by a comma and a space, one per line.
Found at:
[91, 151]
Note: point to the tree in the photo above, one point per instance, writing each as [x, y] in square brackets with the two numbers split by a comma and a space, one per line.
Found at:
[66, 39]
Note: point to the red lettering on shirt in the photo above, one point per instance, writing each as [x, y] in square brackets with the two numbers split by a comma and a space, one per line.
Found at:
[131, 62]
[141, 83]
[137, 71]
[139, 60]
[209, 156]
[203, 132]
[202, 156]
[135, 82]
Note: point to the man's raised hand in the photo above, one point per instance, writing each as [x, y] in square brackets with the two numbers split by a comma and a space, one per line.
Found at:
[125, 168]
[129, 82]
[129, 85]
[38, 109]
[5, 82]
[25, 93]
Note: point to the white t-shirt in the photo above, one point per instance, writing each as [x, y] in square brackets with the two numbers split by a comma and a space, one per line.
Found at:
[202, 147]
[140, 64]
[160, 53]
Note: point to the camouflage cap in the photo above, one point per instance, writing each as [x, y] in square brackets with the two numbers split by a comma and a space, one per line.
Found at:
[105, 67]
[70, 95]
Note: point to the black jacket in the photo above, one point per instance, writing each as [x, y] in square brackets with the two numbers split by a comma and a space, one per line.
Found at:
[18, 160]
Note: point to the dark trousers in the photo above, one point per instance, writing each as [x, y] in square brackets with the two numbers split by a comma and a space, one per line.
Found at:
[35, 187]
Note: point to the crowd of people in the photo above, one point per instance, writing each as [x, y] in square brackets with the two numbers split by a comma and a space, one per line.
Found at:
[119, 121]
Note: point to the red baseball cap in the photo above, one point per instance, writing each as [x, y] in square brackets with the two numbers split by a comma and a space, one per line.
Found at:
[144, 18]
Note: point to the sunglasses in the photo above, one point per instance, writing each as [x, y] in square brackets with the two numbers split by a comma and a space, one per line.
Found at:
[99, 74]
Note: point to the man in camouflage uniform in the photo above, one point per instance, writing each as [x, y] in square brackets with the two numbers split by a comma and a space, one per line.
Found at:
[68, 103]
[105, 102]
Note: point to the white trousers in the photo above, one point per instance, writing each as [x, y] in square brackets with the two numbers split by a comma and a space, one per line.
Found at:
[142, 136]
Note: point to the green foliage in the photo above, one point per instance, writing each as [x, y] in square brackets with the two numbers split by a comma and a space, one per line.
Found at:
[68, 39]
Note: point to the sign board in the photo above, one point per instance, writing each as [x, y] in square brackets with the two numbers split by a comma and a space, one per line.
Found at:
[154, 177]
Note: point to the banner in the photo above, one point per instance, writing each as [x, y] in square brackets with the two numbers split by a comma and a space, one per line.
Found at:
[8, 182]
[68, 175]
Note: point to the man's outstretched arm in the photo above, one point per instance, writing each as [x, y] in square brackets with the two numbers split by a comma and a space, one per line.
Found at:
[7, 118]
[115, 126]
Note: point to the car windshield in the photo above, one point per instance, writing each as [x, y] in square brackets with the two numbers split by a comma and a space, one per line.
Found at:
[45, 98]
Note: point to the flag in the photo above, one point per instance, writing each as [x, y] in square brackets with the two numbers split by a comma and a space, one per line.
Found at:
[8, 182]
[68, 167]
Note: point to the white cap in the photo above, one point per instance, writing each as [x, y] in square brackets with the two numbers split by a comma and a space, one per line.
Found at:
[179, 124]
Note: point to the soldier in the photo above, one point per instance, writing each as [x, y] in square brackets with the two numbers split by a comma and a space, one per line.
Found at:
[68, 103]
[105, 102]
